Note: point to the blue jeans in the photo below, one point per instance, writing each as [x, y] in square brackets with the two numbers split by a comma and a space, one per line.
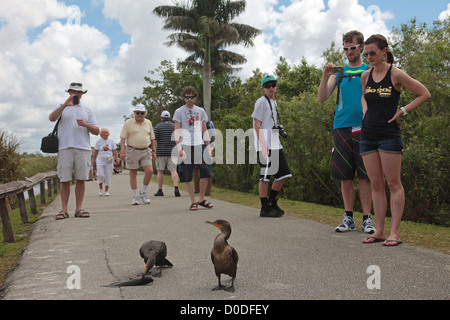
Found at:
[392, 145]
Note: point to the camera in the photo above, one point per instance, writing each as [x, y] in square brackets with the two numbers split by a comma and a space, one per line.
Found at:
[76, 100]
[337, 69]
[281, 131]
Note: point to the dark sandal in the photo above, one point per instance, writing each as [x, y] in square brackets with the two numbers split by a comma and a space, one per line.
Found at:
[205, 204]
[80, 213]
[193, 207]
[63, 214]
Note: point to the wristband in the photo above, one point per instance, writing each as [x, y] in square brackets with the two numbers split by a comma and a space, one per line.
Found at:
[404, 111]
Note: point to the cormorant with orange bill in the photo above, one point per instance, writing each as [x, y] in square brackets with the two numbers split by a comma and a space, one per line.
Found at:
[154, 253]
[224, 257]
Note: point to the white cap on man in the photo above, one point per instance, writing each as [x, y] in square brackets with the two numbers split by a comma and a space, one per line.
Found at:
[165, 114]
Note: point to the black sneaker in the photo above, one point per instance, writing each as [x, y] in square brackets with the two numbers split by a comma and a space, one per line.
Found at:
[276, 207]
[159, 193]
[176, 192]
[268, 211]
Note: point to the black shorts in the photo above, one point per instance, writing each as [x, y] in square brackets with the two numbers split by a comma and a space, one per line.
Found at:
[345, 156]
[195, 155]
[277, 166]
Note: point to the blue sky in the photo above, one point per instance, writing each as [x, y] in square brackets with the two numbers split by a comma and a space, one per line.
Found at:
[112, 44]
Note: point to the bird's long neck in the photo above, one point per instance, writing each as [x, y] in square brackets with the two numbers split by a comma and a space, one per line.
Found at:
[221, 241]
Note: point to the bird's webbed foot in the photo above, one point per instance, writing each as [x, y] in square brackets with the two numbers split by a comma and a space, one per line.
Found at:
[219, 287]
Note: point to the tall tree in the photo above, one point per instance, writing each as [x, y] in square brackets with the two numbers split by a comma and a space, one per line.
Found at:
[206, 26]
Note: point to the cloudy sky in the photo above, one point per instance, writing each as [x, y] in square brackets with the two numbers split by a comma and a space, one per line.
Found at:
[110, 45]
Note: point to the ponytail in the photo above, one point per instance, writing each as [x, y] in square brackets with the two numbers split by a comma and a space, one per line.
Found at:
[389, 57]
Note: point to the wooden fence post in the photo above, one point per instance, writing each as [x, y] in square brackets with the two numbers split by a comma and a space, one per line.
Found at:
[42, 186]
[8, 234]
[23, 208]
[32, 201]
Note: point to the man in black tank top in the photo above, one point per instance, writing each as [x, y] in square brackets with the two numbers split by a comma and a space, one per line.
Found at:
[381, 143]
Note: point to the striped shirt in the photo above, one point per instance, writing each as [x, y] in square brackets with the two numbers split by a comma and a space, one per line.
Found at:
[163, 135]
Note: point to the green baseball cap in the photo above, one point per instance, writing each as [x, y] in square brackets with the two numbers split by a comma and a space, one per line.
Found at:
[268, 78]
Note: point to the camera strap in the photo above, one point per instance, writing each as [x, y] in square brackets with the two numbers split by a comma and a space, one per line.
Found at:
[271, 110]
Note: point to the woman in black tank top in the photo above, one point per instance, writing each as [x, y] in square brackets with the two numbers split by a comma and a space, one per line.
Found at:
[381, 144]
[382, 102]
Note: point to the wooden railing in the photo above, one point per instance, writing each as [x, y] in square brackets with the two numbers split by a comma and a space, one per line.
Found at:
[18, 189]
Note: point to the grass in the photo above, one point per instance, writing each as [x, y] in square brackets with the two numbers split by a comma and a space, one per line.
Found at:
[417, 234]
[10, 252]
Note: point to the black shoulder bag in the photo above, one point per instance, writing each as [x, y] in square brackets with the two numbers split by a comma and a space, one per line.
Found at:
[49, 144]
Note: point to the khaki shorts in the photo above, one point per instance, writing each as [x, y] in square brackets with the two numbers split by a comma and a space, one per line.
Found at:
[138, 158]
[73, 163]
[163, 162]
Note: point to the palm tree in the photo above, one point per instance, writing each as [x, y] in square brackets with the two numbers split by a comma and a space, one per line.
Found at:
[205, 28]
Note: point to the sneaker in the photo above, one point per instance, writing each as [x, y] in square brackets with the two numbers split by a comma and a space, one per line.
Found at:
[100, 192]
[268, 211]
[177, 192]
[144, 198]
[135, 201]
[106, 194]
[159, 193]
[347, 225]
[367, 226]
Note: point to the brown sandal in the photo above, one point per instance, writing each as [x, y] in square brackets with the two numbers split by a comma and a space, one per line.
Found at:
[63, 214]
[205, 204]
[80, 213]
[193, 207]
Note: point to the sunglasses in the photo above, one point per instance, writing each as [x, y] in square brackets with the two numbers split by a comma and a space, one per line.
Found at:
[352, 47]
[270, 85]
[189, 97]
[76, 84]
[139, 112]
[371, 53]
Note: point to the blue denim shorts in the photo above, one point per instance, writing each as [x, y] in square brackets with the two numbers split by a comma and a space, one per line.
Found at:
[392, 145]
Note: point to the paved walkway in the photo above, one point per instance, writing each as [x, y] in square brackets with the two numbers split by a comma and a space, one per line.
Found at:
[286, 258]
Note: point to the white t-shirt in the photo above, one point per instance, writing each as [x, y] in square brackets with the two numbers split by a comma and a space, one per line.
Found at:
[105, 147]
[70, 134]
[191, 120]
[263, 113]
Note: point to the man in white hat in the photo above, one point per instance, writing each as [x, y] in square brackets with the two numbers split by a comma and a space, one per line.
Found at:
[74, 154]
[139, 152]
[165, 144]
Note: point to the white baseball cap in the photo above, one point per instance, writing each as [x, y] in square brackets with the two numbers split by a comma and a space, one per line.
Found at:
[165, 114]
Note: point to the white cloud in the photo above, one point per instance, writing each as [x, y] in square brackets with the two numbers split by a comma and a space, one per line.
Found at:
[445, 14]
[36, 70]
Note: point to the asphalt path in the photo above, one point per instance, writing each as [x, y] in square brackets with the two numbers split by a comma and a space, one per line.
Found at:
[284, 258]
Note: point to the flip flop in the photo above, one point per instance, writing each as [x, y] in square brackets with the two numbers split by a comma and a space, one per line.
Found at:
[205, 204]
[394, 243]
[63, 214]
[375, 240]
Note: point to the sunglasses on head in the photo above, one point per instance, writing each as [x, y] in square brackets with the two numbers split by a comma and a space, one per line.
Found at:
[189, 97]
[371, 53]
[76, 84]
[352, 47]
[269, 85]
[139, 112]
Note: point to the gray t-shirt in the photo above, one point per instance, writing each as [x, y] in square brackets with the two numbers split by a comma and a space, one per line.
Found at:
[263, 113]
[191, 120]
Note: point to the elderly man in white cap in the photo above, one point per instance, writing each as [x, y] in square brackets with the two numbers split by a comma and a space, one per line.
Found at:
[165, 145]
[139, 151]
[74, 149]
